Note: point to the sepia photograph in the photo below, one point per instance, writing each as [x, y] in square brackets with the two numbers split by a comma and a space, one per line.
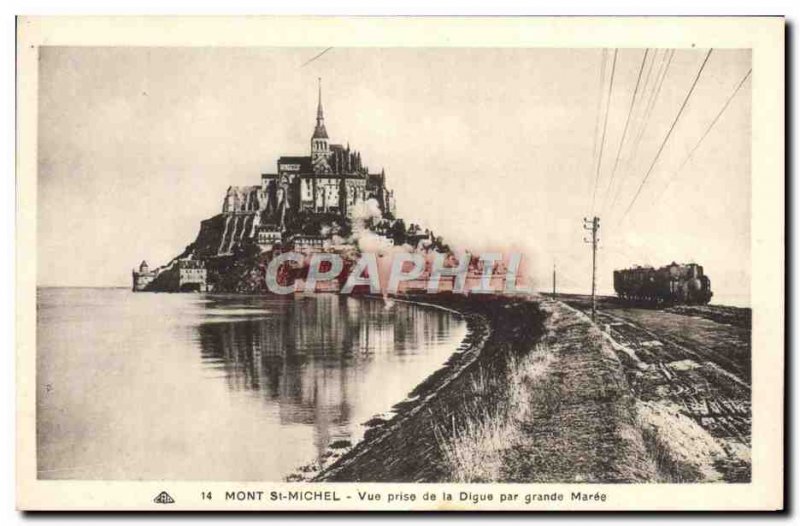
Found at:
[401, 274]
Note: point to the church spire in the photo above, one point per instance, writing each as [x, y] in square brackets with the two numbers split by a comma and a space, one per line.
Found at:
[320, 117]
[319, 131]
[320, 152]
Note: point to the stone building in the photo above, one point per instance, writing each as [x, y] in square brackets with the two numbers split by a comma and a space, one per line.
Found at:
[143, 277]
[192, 275]
[268, 236]
[306, 243]
[331, 179]
[181, 275]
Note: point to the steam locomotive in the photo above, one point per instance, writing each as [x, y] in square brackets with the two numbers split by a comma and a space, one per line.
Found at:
[671, 285]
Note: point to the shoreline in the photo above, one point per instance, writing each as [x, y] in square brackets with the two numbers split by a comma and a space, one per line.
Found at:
[379, 455]
[463, 355]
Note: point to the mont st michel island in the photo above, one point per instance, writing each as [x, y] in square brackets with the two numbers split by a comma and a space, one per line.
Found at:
[327, 201]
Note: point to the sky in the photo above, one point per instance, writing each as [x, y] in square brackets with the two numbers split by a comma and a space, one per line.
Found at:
[491, 148]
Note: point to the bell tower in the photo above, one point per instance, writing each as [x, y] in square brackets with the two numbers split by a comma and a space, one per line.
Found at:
[319, 141]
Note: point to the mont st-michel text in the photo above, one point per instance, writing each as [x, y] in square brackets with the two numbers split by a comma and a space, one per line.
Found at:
[394, 496]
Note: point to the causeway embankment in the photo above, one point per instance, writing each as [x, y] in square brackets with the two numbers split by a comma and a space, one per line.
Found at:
[535, 393]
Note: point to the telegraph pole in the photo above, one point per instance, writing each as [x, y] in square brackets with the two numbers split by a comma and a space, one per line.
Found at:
[593, 225]
[554, 280]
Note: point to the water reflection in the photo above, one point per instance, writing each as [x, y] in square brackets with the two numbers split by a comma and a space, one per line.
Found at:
[328, 362]
[196, 387]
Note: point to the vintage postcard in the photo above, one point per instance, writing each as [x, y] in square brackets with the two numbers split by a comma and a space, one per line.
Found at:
[400, 263]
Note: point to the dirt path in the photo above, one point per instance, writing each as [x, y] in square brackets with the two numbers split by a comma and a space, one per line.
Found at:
[582, 425]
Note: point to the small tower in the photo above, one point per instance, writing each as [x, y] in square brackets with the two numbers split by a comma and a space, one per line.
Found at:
[319, 141]
[143, 268]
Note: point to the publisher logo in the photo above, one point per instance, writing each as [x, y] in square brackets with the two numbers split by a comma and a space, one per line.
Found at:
[164, 498]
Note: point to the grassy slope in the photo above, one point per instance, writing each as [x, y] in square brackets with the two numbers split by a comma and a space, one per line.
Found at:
[565, 414]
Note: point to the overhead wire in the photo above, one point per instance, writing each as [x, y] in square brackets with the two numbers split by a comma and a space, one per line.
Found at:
[605, 127]
[707, 130]
[668, 135]
[666, 62]
[599, 107]
[625, 129]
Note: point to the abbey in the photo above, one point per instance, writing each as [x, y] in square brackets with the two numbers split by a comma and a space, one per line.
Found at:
[332, 179]
[309, 203]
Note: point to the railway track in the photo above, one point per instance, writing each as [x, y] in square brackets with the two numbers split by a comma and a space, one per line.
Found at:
[700, 366]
